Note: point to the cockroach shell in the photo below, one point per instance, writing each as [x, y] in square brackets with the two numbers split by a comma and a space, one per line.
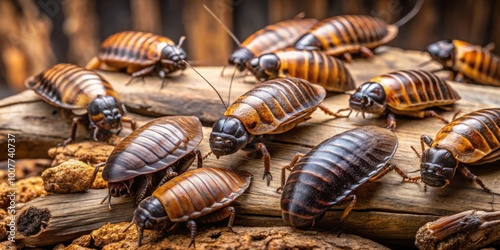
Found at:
[348, 33]
[277, 105]
[333, 169]
[473, 138]
[201, 191]
[476, 63]
[153, 147]
[70, 87]
[133, 48]
[412, 90]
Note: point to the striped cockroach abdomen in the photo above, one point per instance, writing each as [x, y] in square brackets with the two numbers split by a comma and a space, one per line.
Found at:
[313, 66]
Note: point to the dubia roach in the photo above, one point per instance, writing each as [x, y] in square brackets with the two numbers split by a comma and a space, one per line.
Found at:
[404, 92]
[272, 107]
[313, 66]
[343, 35]
[472, 139]
[270, 38]
[332, 170]
[139, 54]
[151, 155]
[202, 194]
[82, 92]
[472, 61]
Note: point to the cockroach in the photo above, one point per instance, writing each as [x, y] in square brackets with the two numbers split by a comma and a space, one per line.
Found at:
[346, 34]
[273, 107]
[472, 139]
[270, 38]
[202, 194]
[313, 66]
[403, 92]
[82, 92]
[151, 155]
[464, 59]
[332, 170]
[139, 54]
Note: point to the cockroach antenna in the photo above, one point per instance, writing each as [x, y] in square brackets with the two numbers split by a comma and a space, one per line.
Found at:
[220, 97]
[223, 25]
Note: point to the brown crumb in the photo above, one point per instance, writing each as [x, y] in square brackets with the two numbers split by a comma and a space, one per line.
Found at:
[26, 190]
[69, 177]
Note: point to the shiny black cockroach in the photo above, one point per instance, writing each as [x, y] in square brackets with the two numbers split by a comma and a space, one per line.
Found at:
[273, 107]
[89, 97]
[474, 62]
[343, 35]
[151, 155]
[313, 66]
[203, 195]
[331, 171]
[404, 92]
[139, 54]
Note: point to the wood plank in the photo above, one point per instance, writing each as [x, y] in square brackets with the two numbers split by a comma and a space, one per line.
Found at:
[388, 209]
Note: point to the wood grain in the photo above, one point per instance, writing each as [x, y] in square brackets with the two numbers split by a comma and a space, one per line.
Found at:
[387, 210]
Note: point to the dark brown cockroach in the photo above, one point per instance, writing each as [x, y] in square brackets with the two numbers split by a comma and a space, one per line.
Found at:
[404, 92]
[343, 35]
[270, 38]
[273, 107]
[202, 194]
[139, 54]
[83, 92]
[151, 155]
[313, 66]
[332, 170]
[472, 139]
[464, 59]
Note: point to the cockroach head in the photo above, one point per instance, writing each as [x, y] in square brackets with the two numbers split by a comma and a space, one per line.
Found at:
[175, 55]
[265, 66]
[121, 188]
[150, 214]
[106, 112]
[443, 52]
[437, 167]
[228, 136]
[370, 97]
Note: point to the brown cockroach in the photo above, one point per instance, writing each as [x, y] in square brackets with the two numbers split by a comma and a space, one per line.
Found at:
[332, 170]
[202, 194]
[273, 107]
[313, 66]
[87, 95]
[403, 92]
[270, 38]
[139, 54]
[154, 153]
[464, 59]
[472, 139]
[346, 34]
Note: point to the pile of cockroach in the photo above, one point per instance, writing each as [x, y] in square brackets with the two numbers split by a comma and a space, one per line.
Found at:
[297, 62]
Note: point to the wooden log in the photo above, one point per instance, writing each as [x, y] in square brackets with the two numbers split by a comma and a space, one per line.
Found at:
[64, 217]
[387, 210]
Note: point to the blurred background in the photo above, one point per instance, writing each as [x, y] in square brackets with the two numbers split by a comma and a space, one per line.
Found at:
[35, 34]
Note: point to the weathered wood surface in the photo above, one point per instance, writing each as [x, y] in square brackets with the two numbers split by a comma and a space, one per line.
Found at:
[71, 215]
[387, 210]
